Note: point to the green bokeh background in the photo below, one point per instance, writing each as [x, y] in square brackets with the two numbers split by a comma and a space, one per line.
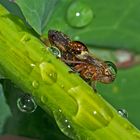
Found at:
[114, 26]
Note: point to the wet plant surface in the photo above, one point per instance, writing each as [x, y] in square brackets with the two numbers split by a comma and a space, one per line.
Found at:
[111, 33]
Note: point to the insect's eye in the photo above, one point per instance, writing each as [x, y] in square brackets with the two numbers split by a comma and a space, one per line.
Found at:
[111, 67]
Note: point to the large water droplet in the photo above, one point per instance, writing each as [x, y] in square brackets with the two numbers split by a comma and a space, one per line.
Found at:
[48, 72]
[64, 124]
[123, 113]
[26, 104]
[79, 14]
[55, 51]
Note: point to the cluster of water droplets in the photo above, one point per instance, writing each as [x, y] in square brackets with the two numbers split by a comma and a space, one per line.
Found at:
[26, 104]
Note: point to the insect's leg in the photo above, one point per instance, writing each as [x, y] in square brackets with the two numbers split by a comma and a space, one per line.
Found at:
[93, 85]
[72, 71]
[78, 68]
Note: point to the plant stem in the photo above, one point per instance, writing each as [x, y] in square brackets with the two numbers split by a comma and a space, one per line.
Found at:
[79, 112]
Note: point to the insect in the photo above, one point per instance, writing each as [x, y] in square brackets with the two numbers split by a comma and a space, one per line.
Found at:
[69, 49]
[76, 55]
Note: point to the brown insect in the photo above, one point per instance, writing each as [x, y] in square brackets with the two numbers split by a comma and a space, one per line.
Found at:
[76, 55]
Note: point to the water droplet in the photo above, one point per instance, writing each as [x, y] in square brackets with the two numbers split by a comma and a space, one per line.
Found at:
[32, 65]
[48, 72]
[35, 84]
[64, 124]
[79, 14]
[94, 112]
[55, 51]
[25, 38]
[112, 67]
[62, 86]
[26, 104]
[123, 113]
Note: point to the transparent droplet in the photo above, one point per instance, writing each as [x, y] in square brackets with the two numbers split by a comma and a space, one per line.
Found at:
[79, 14]
[35, 84]
[25, 38]
[62, 86]
[123, 113]
[64, 124]
[26, 104]
[94, 112]
[112, 67]
[48, 72]
[55, 51]
[32, 65]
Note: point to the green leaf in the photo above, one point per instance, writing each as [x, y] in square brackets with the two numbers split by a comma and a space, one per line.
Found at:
[106, 26]
[115, 24]
[13, 8]
[37, 12]
[5, 112]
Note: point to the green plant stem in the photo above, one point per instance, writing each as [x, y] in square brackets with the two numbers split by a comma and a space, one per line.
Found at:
[79, 112]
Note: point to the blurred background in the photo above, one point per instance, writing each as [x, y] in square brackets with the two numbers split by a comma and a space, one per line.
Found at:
[110, 29]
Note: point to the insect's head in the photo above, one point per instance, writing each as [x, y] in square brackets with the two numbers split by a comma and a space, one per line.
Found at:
[109, 73]
[58, 39]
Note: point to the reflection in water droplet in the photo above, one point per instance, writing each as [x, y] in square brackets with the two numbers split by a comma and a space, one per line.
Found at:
[112, 69]
[123, 113]
[35, 84]
[64, 124]
[26, 104]
[94, 112]
[79, 14]
[32, 65]
[55, 51]
[48, 72]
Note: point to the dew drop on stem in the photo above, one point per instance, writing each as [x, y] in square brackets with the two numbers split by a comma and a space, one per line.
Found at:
[35, 84]
[55, 51]
[123, 113]
[48, 72]
[64, 124]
